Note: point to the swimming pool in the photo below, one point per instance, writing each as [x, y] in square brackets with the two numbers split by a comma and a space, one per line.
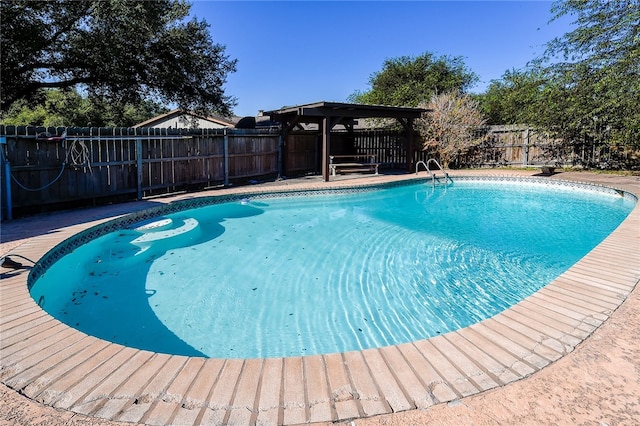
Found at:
[430, 264]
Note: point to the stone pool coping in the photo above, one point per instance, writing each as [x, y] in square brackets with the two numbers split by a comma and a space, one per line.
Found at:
[58, 366]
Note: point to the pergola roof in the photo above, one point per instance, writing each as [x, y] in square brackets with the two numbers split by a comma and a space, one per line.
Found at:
[328, 114]
[316, 111]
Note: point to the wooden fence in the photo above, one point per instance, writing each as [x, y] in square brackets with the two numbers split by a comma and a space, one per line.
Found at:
[302, 152]
[95, 165]
[523, 146]
[99, 165]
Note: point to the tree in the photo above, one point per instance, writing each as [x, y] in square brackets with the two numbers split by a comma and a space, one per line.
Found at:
[451, 125]
[513, 99]
[606, 34]
[587, 85]
[595, 68]
[67, 108]
[125, 51]
[408, 81]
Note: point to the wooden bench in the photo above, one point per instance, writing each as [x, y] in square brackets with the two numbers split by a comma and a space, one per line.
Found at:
[352, 163]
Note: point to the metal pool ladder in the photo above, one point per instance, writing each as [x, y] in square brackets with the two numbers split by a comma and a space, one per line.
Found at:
[435, 179]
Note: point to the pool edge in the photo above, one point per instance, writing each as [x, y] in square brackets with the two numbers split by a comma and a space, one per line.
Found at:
[344, 391]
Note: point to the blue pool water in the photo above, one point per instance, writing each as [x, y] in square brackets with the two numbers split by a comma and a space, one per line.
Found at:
[305, 275]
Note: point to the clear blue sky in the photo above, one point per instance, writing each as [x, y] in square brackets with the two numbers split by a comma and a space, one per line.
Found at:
[296, 52]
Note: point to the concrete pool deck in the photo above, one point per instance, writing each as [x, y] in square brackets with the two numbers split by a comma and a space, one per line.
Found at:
[569, 354]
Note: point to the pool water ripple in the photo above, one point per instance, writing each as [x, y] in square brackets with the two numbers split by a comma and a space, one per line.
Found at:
[300, 276]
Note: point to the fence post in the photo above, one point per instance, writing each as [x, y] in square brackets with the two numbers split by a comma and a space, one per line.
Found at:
[139, 167]
[525, 151]
[7, 179]
[280, 139]
[225, 154]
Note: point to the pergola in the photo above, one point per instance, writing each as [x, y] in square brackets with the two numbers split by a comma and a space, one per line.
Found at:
[329, 114]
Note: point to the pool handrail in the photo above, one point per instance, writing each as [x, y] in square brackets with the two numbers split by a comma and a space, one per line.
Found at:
[431, 172]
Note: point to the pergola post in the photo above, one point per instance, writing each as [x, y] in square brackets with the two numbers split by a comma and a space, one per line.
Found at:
[408, 128]
[326, 147]
[410, 148]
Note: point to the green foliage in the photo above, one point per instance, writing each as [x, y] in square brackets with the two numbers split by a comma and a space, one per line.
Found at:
[20, 114]
[123, 51]
[587, 86]
[599, 74]
[409, 81]
[512, 99]
[606, 33]
[67, 108]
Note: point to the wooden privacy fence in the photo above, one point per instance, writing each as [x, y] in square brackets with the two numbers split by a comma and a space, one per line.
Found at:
[110, 164]
[523, 146]
[117, 163]
[303, 150]
[389, 146]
